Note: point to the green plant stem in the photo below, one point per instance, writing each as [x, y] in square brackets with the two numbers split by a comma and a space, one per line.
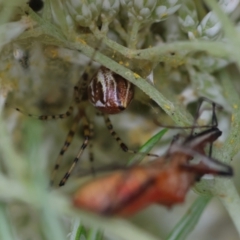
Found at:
[105, 28]
[227, 193]
[232, 144]
[46, 28]
[133, 38]
[161, 53]
[217, 49]
[225, 189]
[120, 30]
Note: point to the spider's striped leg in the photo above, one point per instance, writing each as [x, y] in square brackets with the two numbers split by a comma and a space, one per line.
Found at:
[69, 111]
[66, 144]
[49, 117]
[86, 133]
[91, 156]
[82, 84]
[118, 139]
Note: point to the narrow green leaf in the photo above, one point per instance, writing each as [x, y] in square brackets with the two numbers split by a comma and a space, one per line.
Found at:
[146, 147]
[99, 235]
[78, 230]
[95, 235]
[51, 224]
[189, 220]
[6, 232]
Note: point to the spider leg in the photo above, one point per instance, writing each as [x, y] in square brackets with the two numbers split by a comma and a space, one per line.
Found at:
[79, 94]
[66, 144]
[84, 80]
[123, 146]
[91, 156]
[87, 134]
[79, 91]
[49, 117]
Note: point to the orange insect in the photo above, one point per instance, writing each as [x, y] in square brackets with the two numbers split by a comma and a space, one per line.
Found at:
[165, 180]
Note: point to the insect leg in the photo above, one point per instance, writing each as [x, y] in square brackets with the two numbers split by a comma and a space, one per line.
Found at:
[198, 113]
[214, 117]
[207, 165]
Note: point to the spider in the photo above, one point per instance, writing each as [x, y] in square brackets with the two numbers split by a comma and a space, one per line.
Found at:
[110, 94]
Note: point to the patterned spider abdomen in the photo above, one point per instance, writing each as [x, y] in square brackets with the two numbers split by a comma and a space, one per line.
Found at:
[109, 92]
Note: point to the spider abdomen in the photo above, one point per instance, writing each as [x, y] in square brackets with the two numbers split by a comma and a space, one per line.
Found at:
[109, 92]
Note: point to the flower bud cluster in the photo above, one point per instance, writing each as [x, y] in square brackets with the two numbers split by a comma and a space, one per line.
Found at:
[228, 6]
[209, 64]
[141, 10]
[187, 16]
[164, 9]
[150, 10]
[84, 12]
[110, 9]
[205, 84]
[61, 16]
[209, 28]
[88, 11]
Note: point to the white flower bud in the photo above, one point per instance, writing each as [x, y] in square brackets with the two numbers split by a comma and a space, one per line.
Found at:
[228, 6]
[141, 9]
[110, 9]
[187, 16]
[164, 8]
[209, 27]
